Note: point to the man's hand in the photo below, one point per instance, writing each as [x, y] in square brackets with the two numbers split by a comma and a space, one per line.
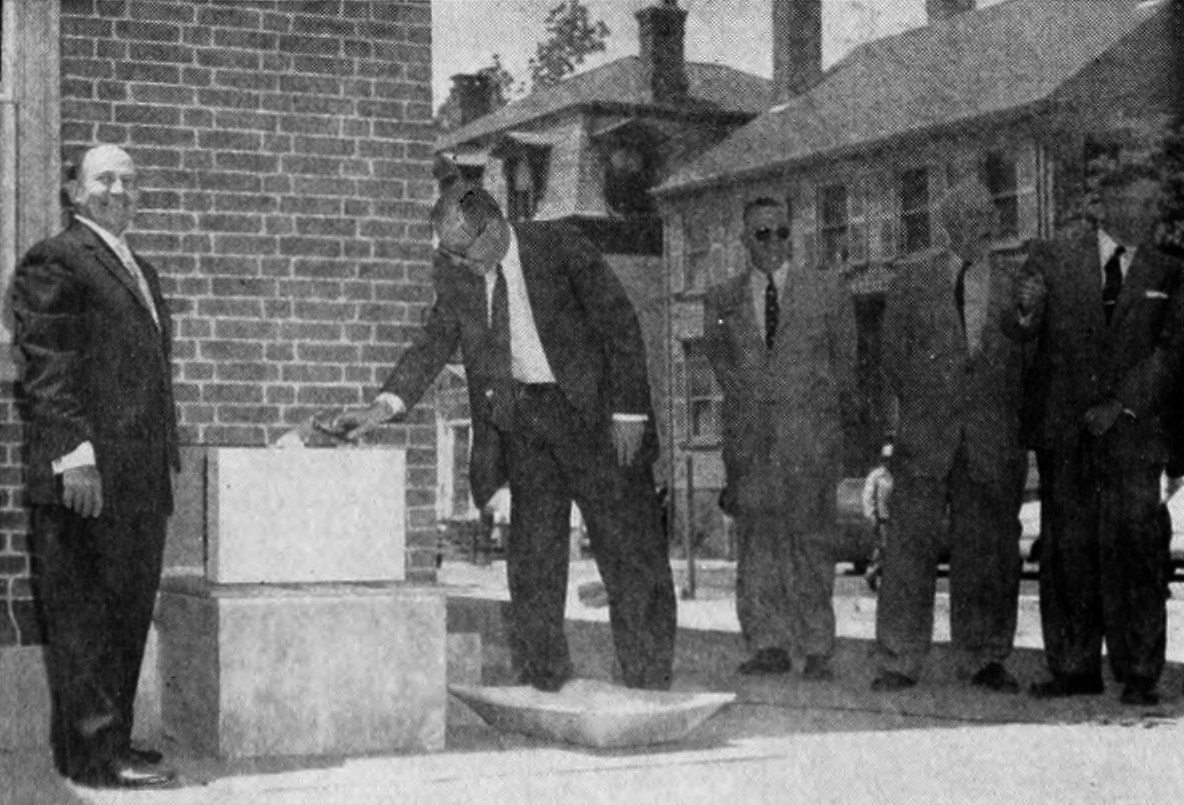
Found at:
[82, 491]
[627, 439]
[354, 423]
[1101, 418]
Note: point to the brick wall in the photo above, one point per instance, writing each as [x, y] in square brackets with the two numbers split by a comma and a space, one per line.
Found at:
[284, 150]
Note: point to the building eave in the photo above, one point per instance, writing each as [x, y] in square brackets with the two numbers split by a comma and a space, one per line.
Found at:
[668, 193]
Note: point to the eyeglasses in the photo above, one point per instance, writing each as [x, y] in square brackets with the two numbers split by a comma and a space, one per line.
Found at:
[765, 233]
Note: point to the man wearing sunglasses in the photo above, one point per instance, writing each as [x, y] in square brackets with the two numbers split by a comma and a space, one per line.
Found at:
[780, 337]
[560, 404]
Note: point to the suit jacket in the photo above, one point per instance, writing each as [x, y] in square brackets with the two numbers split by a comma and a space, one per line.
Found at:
[1082, 361]
[96, 368]
[587, 326]
[783, 408]
[943, 393]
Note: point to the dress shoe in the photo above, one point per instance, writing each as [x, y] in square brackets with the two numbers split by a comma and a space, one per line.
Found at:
[125, 774]
[889, 681]
[1140, 691]
[817, 669]
[1062, 685]
[547, 683]
[144, 755]
[767, 661]
[993, 676]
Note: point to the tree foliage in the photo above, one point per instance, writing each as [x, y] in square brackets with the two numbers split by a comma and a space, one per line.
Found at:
[572, 35]
[1171, 165]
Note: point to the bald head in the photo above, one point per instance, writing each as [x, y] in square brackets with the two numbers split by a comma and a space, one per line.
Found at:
[967, 213]
[105, 189]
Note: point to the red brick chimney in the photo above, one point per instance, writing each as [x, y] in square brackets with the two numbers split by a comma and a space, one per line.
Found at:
[797, 47]
[662, 34]
[474, 95]
[938, 10]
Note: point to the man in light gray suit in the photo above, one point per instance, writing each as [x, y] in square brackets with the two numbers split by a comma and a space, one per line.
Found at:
[781, 340]
[957, 381]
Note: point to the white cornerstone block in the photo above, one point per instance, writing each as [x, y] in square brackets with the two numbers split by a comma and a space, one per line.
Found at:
[316, 515]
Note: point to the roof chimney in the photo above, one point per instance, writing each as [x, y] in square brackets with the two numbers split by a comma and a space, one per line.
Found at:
[938, 10]
[797, 47]
[662, 31]
[474, 95]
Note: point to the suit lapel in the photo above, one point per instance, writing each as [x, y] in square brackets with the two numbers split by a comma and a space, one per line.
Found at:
[1143, 275]
[103, 254]
[1083, 286]
[739, 315]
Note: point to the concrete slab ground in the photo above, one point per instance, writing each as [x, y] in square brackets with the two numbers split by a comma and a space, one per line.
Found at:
[784, 740]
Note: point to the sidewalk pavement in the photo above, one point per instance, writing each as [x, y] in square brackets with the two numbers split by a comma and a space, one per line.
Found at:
[783, 740]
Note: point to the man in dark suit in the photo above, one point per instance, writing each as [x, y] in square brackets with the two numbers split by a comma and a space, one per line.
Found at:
[560, 405]
[94, 334]
[958, 464]
[1109, 313]
[781, 341]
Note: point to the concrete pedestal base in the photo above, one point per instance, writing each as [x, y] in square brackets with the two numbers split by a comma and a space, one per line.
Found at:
[253, 670]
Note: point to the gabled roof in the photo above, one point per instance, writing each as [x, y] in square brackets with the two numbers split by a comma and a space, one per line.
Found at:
[1001, 58]
[711, 87]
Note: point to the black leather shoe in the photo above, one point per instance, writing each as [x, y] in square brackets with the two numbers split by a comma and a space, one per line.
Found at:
[149, 757]
[767, 661]
[1140, 692]
[548, 683]
[1062, 685]
[817, 669]
[993, 676]
[889, 681]
[125, 774]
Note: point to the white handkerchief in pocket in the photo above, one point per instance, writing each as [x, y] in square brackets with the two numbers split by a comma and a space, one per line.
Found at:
[1155, 295]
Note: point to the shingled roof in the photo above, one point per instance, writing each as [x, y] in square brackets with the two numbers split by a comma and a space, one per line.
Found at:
[1003, 58]
[623, 82]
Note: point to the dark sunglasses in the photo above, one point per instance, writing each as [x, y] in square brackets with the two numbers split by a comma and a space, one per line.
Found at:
[764, 233]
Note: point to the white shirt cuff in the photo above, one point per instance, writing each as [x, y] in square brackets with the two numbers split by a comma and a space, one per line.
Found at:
[392, 403]
[81, 456]
[630, 417]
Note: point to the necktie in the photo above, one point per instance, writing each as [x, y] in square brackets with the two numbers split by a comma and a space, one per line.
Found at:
[1112, 283]
[130, 265]
[960, 294]
[772, 312]
[499, 345]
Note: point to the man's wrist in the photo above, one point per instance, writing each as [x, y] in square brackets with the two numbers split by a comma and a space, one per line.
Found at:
[81, 456]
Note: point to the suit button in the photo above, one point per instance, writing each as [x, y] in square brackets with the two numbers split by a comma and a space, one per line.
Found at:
[489, 394]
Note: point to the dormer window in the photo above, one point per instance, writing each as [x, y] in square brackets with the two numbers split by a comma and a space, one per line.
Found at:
[521, 189]
[525, 156]
[631, 155]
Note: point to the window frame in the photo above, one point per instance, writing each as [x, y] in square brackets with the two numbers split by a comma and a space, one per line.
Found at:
[8, 161]
[694, 355]
[696, 253]
[914, 212]
[1003, 196]
[833, 234]
[451, 463]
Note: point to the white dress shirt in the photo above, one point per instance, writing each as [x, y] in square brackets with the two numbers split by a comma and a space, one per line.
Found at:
[976, 297]
[1106, 247]
[758, 283]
